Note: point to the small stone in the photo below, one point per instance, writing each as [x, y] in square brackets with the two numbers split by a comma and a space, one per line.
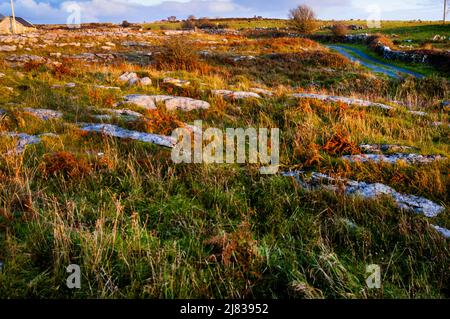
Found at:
[129, 77]
[144, 101]
[176, 82]
[8, 48]
[418, 113]
[146, 81]
[107, 87]
[44, 114]
[236, 95]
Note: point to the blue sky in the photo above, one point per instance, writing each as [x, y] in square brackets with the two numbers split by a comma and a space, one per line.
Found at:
[58, 11]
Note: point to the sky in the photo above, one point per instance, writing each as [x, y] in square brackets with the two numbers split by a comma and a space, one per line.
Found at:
[69, 11]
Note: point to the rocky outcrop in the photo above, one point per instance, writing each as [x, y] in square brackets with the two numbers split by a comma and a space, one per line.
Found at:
[413, 203]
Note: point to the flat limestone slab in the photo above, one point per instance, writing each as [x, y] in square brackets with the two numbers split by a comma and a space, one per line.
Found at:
[393, 158]
[413, 203]
[116, 131]
[236, 95]
[347, 100]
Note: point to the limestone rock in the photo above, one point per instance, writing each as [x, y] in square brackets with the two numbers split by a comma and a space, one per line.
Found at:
[8, 48]
[347, 100]
[375, 148]
[413, 203]
[116, 131]
[44, 114]
[172, 103]
[443, 231]
[176, 82]
[393, 158]
[145, 81]
[236, 95]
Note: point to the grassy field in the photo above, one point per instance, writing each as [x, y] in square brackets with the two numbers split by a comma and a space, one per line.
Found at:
[231, 23]
[417, 35]
[413, 34]
[141, 226]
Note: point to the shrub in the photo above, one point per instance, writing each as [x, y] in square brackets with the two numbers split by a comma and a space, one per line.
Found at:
[126, 24]
[178, 54]
[303, 19]
[339, 30]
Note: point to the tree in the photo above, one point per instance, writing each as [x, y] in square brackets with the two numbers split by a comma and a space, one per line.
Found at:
[303, 19]
[188, 24]
[126, 24]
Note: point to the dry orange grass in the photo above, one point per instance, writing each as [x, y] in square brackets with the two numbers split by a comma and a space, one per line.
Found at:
[340, 144]
[157, 122]
[64, 163]
[238, 247]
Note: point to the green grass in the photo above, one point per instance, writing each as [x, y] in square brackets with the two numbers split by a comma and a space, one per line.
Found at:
[142, 227]
[418, 34]
[231, 23]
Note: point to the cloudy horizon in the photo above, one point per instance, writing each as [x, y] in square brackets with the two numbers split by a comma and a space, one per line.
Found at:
[58, 11]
